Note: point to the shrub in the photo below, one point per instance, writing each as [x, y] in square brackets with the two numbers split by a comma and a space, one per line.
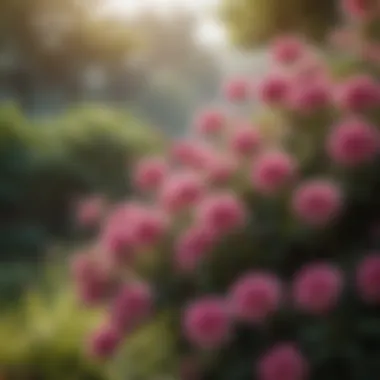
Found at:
[45, 166]
[89, 151]
[270, 272]
[40, 337]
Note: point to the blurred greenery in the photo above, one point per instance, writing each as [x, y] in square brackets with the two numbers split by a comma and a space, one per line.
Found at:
[44, 166]
[42, 336]
[254, 22]
[142, 357]
[58, 36]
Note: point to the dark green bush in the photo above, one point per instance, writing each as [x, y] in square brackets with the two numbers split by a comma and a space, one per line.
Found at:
[45, 166]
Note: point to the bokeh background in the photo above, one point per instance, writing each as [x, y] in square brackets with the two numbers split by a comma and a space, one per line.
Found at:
[86, 87]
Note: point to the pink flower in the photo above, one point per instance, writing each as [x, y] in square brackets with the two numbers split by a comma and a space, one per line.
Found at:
[245, 140]
[368, 278]
[130, 227]
[210, 122]
[104, 342]
[84, 267]
[317, 287]
[255, 296]
[310, 96]
[132, 305]
[120, 247]
[191, 247]
[317, 202]
[90, 211]
[283, 362]
[272, 171]
[206, 323]
[220, 168]
[358, 93]
[312, 69]
[237, 90]
[117, 238]
[274, 89]
[122, 214]
[221, 213]
[91, 293]
[92, 279]
[190, 153]
[353, 142]
[150, 173]
[287, 50]
[181, 191]
[359, 9]
[148, 227]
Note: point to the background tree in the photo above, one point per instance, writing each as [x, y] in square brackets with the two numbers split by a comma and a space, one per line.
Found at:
[78, 53]
[253, 22]
[53, 43]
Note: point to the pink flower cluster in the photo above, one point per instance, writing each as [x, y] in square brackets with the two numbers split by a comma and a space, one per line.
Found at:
[93, 280]
[208, 322]
[209, 188]
[353, 142]
[129, 229]
[130, 306]
[256, 296]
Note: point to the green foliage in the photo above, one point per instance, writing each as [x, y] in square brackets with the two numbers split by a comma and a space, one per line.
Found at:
[16, 171]
[41, 337]
[147, 353]
[45, 166]
[254, 22]
[100, 144]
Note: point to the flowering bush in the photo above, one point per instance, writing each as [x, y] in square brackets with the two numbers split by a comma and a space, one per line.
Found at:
[262, 251]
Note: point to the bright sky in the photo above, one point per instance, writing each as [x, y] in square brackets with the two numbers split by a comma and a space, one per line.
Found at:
[209, 32]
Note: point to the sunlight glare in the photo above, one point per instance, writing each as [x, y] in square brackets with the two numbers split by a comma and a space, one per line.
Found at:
[209, 31]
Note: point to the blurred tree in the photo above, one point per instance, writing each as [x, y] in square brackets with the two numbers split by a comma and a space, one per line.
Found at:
[254, 22]
[56, 34]
[54, 42]
[67, 50]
